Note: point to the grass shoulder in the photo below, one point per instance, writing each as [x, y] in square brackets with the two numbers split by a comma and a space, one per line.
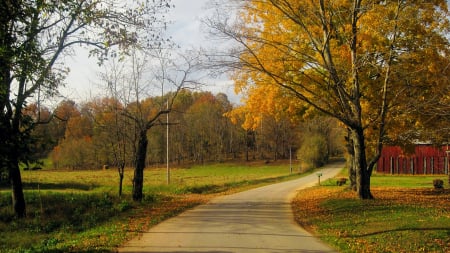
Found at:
[407, 215]
[79, 211]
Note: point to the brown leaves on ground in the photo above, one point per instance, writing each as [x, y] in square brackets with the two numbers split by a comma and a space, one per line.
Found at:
[398, 220]
[307, 203]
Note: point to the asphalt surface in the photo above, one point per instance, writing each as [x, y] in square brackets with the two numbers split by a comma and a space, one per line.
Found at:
[258, 220]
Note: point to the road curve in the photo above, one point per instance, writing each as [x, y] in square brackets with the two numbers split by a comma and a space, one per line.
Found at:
[258, 220]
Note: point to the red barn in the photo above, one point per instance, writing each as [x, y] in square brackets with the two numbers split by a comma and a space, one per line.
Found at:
[427, 159]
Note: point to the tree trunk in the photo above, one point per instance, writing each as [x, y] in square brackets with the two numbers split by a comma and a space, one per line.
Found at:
[138, 179]
[247, 148]
[351, 162]
[352, 171]
[16, 183]
[121, 169]
[360, 165]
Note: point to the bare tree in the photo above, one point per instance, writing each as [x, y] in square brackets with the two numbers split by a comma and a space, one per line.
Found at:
[138, 91]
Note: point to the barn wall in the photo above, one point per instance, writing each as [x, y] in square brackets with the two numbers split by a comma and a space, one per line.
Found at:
[427, 159]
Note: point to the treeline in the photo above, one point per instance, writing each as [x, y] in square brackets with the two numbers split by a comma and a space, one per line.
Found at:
[100, 132]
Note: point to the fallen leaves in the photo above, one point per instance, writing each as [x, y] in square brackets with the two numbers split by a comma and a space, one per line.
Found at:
[398, 220]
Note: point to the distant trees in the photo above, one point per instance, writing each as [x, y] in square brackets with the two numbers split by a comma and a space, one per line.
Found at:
[76, 145]
[99, 132]
[207, 129]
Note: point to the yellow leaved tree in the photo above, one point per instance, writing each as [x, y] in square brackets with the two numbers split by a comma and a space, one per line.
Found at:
[361, 62]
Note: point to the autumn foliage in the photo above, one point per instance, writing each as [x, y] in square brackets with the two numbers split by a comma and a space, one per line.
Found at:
[368, 64]
[89, 135]
[399, 220]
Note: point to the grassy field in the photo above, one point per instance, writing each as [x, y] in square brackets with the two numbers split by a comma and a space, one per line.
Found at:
[407, 215]
[80, 211]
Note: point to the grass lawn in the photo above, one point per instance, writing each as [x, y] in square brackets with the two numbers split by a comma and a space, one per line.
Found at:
[80, 211]
[407, 215]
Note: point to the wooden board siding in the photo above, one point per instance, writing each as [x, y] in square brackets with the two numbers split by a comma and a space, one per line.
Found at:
[427, 159]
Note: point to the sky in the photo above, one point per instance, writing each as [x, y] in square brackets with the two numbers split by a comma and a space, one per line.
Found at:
[186, 31]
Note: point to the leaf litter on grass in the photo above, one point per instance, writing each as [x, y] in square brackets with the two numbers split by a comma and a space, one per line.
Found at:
[397, 220]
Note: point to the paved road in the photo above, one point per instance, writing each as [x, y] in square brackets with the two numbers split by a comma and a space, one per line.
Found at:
[258, 220]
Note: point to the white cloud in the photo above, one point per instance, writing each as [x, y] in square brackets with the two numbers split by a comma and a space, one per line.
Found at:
[186, 30]
[186, 22]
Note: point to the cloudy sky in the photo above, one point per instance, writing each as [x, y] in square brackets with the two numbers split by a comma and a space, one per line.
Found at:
[185, 29]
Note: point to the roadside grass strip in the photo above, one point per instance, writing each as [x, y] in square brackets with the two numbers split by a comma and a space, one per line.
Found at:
[80, 211]
[411, 218]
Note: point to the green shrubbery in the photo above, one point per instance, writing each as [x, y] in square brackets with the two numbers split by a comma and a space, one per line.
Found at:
[313, 152]
[51, 214]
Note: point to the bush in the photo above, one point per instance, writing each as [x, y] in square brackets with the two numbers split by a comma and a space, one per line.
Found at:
[4, 177]
[341, 181]
[438, 184]
[124, 206]
[313, 151]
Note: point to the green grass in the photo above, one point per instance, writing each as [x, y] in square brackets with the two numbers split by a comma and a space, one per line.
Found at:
[55, 218]
[407, 215]
[107, 180]
[406, 181]
[79, 211]
[379, 226]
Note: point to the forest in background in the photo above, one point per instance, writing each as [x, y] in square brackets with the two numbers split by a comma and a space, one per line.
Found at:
[96, 133]
[384, 85]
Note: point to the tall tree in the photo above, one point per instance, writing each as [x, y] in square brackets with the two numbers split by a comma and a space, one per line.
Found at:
[111, 134]
[113, 123]
[148, 73]
[33, 36]
[351, 60]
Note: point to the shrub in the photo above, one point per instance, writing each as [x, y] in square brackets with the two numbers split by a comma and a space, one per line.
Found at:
[341, 181]
[313, 151]
[4, 177]
[438, 184]
[124, 206]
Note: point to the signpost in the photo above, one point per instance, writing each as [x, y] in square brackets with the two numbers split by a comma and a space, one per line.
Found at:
[319, 174]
